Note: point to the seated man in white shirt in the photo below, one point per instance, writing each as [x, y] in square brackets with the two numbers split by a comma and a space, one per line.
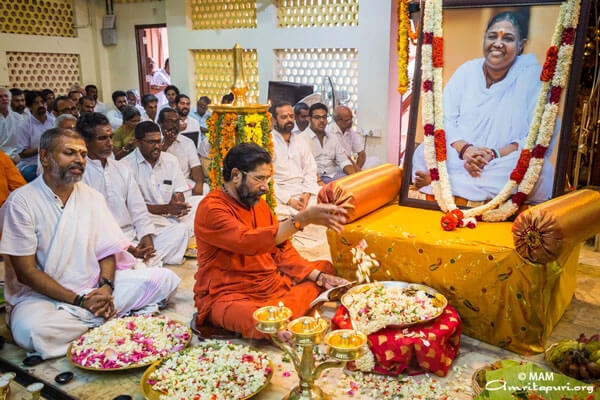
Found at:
[202, 113]
[9, 121]
[329, 155]
[67, 268]
[150, 104]
[115, 115]
[92, 91]
[302, 118]
[186, 123]
[351, 141]
[184, 149]
[149, 244]
[294, 168]
[159, 178]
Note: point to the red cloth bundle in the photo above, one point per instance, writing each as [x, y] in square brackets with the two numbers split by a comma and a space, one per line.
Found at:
[413, 350]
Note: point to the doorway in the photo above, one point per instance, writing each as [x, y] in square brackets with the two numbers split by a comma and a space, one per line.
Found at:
[152, 46]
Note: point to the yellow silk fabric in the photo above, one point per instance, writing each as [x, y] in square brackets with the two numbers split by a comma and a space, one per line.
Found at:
[547, 230]
[502, 298]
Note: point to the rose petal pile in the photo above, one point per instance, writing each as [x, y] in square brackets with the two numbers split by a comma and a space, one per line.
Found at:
[129, 341]
[213, 371]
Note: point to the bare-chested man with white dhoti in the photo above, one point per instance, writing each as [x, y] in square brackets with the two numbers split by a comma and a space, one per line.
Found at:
[67, 268]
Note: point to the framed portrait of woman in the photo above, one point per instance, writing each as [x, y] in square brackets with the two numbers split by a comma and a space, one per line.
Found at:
[493, 55]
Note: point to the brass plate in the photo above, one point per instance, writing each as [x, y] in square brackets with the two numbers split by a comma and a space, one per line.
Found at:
[131, 366]
[151, 394]
[438, 300]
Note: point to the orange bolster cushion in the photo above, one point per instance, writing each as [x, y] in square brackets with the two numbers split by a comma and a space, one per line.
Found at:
[365, 191]
[544, 232]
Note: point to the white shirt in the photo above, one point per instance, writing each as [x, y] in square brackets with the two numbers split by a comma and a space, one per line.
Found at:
[185, 150]
[157, 184]
[203, 146]
[350, 140]
[201, 118]
[145, 117]
[122, 194]
[8, 134]
[330, 157]
[29, 132]
[295, 170]
[115, 118]
[100, 107]
[192, 125]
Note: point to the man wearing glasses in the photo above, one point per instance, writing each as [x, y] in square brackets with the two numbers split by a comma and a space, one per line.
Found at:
[328, 152]
[245, 260]
[294, 168]
[159, 177]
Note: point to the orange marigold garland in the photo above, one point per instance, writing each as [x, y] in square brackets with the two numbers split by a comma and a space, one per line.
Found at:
[402, 45]
[225, 130]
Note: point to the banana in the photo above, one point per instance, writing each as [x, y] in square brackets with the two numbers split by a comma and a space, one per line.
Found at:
[562, 350]
[595, 356]
[592, 346]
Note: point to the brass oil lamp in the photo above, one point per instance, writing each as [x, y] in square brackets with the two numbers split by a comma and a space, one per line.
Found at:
[344, 345]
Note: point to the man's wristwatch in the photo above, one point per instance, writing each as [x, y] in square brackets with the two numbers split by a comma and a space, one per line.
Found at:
[106, 281]
[296, 223]
[319, 280]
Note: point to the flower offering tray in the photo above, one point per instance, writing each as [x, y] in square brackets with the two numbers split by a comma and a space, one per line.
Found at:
[391, 304]
[212, 370]
[128, 343]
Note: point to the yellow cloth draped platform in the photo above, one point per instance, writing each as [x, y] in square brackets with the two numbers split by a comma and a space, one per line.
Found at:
[502, 297]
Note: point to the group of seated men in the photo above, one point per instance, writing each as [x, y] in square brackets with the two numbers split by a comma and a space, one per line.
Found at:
[97, 254]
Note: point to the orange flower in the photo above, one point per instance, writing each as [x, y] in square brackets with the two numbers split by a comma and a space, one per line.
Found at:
[440, 145]
[549, 64]
[437, 50]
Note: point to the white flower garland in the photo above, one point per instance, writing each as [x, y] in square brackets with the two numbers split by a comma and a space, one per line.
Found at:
[540, 132]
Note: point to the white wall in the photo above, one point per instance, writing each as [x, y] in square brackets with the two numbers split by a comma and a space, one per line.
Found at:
[371, 38]
[84, 44]
[115, 67]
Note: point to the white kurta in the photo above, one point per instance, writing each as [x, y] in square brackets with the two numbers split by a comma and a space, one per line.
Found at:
[68, 241]
[192, 125]
[115, 118]
[8, 134]
[295, 171]
[159, 183]
[353, 143]
[127, 206]
[330, 156]
[29, 132]
[185, 150]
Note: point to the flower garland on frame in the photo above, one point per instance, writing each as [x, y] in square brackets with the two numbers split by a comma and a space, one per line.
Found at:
[225, 130]
[526, 173]
[402, 45]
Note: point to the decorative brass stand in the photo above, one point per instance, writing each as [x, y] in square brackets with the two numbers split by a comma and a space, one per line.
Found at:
[344, 345]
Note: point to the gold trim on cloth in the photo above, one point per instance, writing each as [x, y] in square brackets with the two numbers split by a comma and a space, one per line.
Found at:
[542, 233]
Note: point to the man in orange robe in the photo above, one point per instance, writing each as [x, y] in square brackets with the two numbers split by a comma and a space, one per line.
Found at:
[245, 260]
[10, 177]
